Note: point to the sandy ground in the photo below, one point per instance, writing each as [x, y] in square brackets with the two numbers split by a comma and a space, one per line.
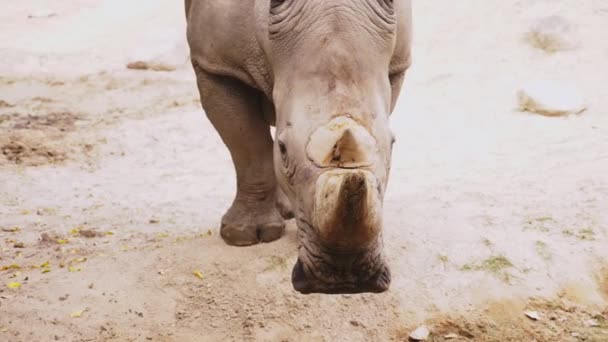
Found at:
[116, 179]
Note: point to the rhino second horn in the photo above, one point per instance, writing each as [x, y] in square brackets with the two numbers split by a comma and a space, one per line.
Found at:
[341, 143]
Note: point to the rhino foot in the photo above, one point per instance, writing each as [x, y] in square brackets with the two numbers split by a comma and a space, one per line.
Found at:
[245, 225]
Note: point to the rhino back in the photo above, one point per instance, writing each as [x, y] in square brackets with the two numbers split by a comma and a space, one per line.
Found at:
[222, 40]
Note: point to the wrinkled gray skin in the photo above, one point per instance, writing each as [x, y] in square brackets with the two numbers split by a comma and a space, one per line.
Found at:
[327, 74]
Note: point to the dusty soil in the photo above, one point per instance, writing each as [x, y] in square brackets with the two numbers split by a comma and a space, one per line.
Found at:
[112, 184]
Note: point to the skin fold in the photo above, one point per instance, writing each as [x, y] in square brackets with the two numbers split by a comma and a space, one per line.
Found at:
[327, 74]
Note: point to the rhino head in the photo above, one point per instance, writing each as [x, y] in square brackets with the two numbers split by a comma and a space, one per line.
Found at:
[333, 96]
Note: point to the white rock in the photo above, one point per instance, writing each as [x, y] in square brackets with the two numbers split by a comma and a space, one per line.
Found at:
[420, 334]
[450, 336]
[550, 98]
[552, 34]
[592, 323]
[533, 315]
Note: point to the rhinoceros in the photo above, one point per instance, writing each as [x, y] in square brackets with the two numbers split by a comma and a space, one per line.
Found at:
[326, 74]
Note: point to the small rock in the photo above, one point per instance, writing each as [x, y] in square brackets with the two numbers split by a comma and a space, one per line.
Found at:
[89, 233]
[574, 334]
[450, 336]
[552, 34]
[592, 323]
[19, 245]
[355, 323]
[533, 315]
[420, 334]
[550, 98]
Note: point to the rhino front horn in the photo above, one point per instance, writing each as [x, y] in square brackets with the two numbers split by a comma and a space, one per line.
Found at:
[341, 143]
[347, 209]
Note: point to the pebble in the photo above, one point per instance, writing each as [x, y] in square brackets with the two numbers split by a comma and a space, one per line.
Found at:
[550, 98]
[450, 336]
[592, 323]
[420, 334]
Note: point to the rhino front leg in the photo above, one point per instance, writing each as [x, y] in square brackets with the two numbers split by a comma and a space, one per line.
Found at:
[234, 110]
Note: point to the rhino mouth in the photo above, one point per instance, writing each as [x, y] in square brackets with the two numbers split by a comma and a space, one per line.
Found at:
[322, 270]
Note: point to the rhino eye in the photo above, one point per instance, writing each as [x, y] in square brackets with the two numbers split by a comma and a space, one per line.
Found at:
[282, 148]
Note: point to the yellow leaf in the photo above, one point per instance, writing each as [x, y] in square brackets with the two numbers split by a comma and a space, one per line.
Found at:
[62, 241]
[198, 274]
[109, 233]
[80, 260]
[73, 269]
[75, 231]
[77, 314]
[46, 270]
[10, 267]
[13, 285]
[162, 235]
[45, 264]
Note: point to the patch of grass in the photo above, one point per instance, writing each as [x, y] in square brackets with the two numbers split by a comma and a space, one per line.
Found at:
[496, 264]
[443, 258]
[543, 250]
[487, 242]
[275, 262]
[540, 223]
[585, 234]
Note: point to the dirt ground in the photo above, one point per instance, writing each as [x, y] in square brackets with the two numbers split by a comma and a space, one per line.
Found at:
[112, 185]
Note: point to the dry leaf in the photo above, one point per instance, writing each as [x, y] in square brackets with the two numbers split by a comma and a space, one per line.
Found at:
[13, 285]
[45, 264]
[46, 270]
[62, 241]
[73, 269]
[77, 314]
[198, 274]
